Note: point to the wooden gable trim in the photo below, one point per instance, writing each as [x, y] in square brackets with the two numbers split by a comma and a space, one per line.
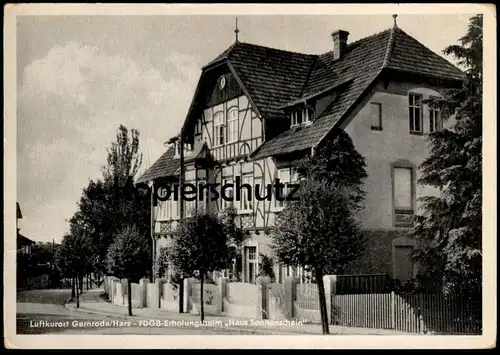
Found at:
[245, 91]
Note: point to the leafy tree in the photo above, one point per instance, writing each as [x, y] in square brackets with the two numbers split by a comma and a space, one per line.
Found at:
[320, 230]
[200, 245]
[109, 203]
[128, 257]
[235, 235]
[74, 258]
[161, 263]
[449, 231]
[266, 267]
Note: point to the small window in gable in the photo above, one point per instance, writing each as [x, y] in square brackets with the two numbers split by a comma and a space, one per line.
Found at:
[376, 116]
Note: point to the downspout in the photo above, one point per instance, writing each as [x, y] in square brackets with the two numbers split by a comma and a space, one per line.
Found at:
[181, 212]
[153, 241]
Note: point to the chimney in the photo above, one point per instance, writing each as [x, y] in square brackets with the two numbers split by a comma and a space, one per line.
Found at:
[339, 43]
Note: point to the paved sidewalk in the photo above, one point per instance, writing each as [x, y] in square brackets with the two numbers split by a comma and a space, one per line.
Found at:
[92, 301]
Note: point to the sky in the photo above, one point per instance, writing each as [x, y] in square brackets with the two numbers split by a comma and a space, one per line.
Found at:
[80, 77]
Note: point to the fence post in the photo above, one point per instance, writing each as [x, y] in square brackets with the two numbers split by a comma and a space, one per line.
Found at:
[329, 283]
[393, 310]
[187, 295]
[221, 285]
[290, 295]
[263, 282]
[421, 313]
[159, 291]
[143, 286]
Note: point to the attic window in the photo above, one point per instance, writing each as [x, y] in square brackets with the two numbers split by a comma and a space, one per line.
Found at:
[296, 117]
[301, 116]
[188, 147]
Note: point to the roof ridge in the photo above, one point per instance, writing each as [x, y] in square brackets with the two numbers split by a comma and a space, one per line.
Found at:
[361, 40]
[390, 45]
[306, 82]
[279, 50]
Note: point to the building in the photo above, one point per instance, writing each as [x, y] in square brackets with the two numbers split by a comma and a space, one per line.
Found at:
[24, 244]
[256, 109]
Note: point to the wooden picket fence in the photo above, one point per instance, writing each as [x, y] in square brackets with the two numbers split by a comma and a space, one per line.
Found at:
[413, 312]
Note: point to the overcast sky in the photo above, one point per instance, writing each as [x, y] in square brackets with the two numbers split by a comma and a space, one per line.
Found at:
[80, 77]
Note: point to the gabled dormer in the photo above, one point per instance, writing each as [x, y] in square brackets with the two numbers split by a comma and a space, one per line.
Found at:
[175, 143]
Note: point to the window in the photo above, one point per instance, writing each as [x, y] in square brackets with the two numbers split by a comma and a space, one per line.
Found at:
[376, 116]
[403, 191]
[232, 125]
[297, 117]
[246, 196]
[308, 114]
[219, 129]
[434, 118]
[415, 113]
[177, 151]
[229, 192]
[284, 176]
[251, 264]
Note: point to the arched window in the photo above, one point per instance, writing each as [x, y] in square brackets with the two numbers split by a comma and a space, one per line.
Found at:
[219, 129]
[232, 125]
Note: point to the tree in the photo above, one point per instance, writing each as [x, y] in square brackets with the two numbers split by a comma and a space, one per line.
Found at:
[161, 263]
[128, 256]
[449, 231]
[200, 245]
[235, 235]
[320, 230]
[109, 203]
[74, 258]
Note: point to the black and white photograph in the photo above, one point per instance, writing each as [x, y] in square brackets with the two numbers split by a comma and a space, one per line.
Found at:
[238, 172]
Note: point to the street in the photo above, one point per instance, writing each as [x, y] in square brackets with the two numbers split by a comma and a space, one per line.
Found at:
[44, 312]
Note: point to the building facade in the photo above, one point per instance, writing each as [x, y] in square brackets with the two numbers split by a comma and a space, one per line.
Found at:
[257, 109]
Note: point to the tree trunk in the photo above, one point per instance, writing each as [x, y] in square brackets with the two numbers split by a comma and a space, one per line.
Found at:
[81, 284]
[322, 301]
[72, 288]
[129, 296]
[77, 294]
[202, 311]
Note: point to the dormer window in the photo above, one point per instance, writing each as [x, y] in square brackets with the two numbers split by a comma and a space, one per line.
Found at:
[301, 115]
[188, 147]
[296, 117]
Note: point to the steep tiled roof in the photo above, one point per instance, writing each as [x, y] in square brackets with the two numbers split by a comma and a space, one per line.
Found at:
[165, 166]
[412, 56]
[361, 64]
[168, 166]
[274, 78]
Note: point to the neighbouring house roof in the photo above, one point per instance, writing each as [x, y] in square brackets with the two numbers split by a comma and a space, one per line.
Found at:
[276, 78]
[165, 166]
[22, 240]
[168, 165]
